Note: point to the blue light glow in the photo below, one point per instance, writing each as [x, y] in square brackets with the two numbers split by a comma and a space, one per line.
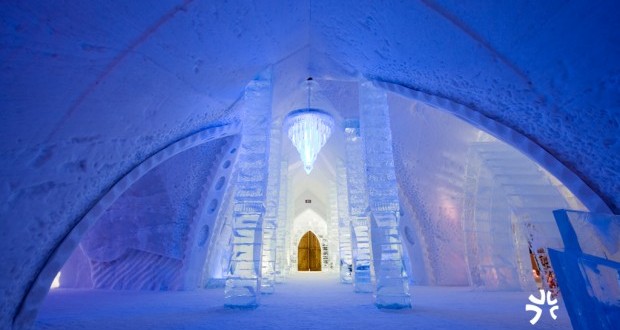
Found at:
[309, 130]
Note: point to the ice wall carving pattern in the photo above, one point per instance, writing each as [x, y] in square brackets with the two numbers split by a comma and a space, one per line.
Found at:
[137, 270]
[27, 310]
[154, 217]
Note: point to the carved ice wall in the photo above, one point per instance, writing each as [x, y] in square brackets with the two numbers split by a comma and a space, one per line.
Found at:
[140, 242]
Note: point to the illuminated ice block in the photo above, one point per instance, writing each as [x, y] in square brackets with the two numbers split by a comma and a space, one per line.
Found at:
[282, 266]
[358, 204]
[270, 223]
[392, 285]
[242, 288]
[344, 227]
[588, 268]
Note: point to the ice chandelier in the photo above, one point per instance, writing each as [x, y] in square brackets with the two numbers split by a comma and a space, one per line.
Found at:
[309, 129]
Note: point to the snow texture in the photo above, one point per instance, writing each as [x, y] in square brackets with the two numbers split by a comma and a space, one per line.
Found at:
[97, 93]
[307, 301]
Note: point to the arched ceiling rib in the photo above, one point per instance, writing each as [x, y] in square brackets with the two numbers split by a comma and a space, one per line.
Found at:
[547, 70]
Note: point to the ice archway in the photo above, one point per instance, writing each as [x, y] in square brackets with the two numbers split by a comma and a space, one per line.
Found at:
[94, 90]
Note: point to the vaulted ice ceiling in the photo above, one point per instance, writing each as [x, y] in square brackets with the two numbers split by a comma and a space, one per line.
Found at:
[92, 89]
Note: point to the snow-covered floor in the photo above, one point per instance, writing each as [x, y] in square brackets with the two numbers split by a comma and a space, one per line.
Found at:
[306, 301]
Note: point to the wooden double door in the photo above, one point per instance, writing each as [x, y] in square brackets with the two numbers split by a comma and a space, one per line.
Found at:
[309, 253]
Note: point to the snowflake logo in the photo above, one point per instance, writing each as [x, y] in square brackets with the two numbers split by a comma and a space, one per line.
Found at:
[541, 302]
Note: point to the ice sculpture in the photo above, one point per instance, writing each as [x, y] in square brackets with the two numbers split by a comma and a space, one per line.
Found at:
[309, 129]
[588, 270]
[358, 203]
[243, 284]
[392, 287]
[271, 213]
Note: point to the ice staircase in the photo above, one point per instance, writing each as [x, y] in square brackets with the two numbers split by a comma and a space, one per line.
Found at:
[508, 211]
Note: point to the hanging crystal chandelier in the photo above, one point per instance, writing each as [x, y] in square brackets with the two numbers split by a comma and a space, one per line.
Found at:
[309, 129]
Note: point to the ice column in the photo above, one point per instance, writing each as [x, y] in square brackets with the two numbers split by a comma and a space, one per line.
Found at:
[358, 203]
[243, 283]
[271, 213]
[333, 226]
[344, 229]
[290, 215]
[392, 288]
[217, 264]
[283, 226]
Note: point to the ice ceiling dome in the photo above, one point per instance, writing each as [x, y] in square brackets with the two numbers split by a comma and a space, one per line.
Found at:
[96, 94]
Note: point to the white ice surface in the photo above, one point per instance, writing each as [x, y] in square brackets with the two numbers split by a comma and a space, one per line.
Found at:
[307, 301]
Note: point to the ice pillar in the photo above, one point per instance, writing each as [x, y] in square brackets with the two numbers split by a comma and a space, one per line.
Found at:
[344, 226]
[243, 284]
[283, 226]
[333, 226]
[358, 203]
[392, 288]
[271, 213]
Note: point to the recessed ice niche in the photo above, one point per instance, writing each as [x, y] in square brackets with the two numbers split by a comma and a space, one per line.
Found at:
[220, 183]
[204, 235]
[212, 205]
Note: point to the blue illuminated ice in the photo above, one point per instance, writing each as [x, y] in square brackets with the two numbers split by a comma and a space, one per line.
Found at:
[588, 268]
[309, 129]
[243, 283]
[392, 287]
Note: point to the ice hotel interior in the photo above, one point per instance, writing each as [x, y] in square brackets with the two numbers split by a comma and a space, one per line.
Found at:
[311, 164]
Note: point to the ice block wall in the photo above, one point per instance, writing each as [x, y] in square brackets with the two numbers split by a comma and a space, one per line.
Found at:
[588, 268]
[272, 205]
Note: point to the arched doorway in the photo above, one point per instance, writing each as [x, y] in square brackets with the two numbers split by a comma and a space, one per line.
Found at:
[309, 253]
